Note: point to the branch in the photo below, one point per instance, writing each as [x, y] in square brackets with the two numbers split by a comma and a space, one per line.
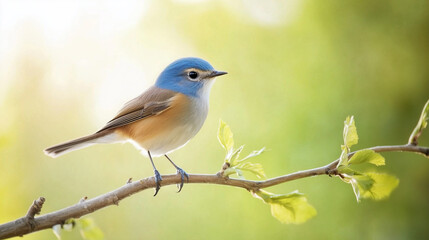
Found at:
[30, 224]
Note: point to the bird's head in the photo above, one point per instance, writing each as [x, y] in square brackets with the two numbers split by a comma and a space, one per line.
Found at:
[190, 76]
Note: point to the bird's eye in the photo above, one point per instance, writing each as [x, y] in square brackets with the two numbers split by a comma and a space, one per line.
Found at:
[193, 75]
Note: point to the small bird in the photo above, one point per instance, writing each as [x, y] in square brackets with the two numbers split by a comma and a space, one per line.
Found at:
[160, 120]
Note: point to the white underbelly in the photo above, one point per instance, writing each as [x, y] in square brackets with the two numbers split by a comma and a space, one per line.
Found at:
[178, 134]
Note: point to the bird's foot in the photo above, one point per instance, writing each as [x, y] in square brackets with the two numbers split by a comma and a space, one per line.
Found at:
[158, 180]
[183, 174]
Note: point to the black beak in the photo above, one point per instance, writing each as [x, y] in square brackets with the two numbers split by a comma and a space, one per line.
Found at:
[216, 74]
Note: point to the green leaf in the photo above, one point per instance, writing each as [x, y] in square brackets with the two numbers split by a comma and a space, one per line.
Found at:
[382, 187]
[89, 230]
[349, 133]
[233, 156]
[360, 184]
[346, 170]
[344, 157]
[421, 124]
[236, 166]
[253, 154]
[233, 170]
[367, 156]
[365, 182]
[288, 208]
[225, 136]
[372, 185]
[350, 138]
[254, 168]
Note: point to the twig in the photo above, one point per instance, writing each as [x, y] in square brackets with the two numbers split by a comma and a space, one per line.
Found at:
[20, 226]
[422, 123]
[35, 208]
[27, 223]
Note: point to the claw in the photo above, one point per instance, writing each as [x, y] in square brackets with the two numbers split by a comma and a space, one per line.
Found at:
[158, 180]
[183, 174]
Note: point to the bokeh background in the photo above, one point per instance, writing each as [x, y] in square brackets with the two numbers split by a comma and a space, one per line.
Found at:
[296, 68]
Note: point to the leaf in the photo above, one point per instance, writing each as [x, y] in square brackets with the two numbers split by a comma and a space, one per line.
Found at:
[255, 168]
[57, 231]
[253, 154]
[232, 158]
[349, 133]
[360, 184]
[421, 124]
[239, 173]
[233, 170]
[367, 156]
[355, 187]
[344, 157]
[89, 230]
[372, 185]
[365, 182]
[225, 136]
[68, 226]
[288, 208]
[346, 170]
[350, 138]
[382, 187]
[236, 166]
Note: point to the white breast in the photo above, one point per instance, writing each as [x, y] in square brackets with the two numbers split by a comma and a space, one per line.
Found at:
[186, 128]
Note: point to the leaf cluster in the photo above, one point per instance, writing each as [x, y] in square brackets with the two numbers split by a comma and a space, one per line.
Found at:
[237, 165]
[365, 184]
[287, 208]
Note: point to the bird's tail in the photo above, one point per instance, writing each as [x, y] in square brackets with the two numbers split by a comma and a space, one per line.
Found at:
[63, 148]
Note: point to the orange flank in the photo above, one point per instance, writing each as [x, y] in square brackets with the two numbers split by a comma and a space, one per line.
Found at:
[151, 132]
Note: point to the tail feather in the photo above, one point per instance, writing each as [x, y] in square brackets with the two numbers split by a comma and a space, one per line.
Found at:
[76, 144]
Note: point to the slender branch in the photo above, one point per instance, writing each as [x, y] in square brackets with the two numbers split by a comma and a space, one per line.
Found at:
[330, 169]
[29, 223]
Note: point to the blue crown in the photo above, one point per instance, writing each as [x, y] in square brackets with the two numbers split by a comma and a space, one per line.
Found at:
[173, 77]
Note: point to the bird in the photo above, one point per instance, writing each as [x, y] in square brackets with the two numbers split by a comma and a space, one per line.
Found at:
[161, 119]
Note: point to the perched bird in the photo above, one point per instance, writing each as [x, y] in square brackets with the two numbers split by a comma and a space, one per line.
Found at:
[162, 119]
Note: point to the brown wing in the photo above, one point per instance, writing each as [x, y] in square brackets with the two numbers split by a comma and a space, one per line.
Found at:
[152, 102]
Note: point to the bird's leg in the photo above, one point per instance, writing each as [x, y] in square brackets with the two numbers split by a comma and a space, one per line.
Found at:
[158, 177]
[180, 171]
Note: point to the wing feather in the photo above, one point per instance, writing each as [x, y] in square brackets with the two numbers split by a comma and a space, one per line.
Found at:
[152, 102]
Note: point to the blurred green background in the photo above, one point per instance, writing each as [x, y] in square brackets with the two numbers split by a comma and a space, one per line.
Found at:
[296, 70]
